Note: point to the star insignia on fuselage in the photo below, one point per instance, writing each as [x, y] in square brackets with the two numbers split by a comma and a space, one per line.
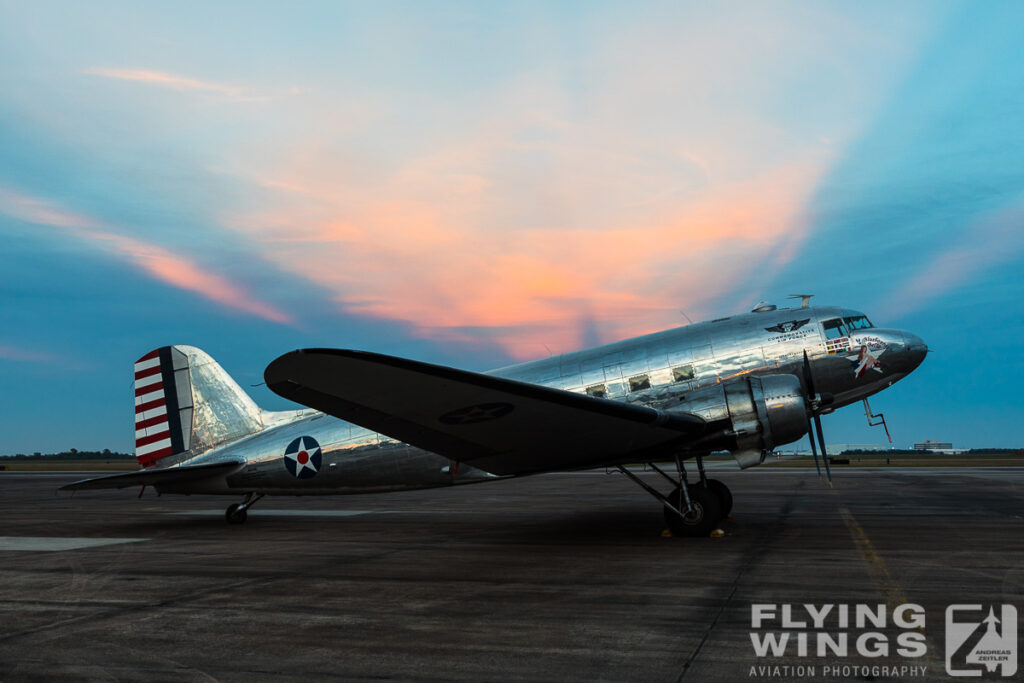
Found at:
[303, 458]
[866, 359]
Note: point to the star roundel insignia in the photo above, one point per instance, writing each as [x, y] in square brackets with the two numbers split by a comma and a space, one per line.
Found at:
[302, 458]
[478, 413]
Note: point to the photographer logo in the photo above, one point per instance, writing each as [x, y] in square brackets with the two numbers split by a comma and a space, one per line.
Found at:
[981, 641]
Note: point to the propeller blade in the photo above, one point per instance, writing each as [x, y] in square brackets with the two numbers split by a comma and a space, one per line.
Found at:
[814, 410]
[814, 449]
[808, 380]
[821, 442]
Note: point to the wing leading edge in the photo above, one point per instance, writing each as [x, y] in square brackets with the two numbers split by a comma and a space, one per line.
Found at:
[499, 425]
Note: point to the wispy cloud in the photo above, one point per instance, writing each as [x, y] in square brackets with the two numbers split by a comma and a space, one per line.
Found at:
[988, 242]
[158, 262]
[20, 355]
[35, 210]
[180, 83]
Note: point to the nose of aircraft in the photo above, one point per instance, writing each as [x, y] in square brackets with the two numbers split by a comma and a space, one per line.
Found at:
[916, 349]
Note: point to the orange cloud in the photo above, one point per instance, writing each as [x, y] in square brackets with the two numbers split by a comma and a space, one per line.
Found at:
[440, 267]
[581, 196]
[160, 263]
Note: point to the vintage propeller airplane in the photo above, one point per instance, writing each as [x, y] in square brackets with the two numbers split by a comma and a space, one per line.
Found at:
[746, 384]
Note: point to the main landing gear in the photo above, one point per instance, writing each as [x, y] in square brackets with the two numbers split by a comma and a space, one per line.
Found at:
[690, 510]
[236, 512]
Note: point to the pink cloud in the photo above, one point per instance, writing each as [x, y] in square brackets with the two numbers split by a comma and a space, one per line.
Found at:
[176, 82]
[158, 262]
[13, 353]
[182, 273]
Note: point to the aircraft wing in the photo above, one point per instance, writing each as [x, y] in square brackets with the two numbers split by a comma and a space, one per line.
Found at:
[499, 425]
[172, 475]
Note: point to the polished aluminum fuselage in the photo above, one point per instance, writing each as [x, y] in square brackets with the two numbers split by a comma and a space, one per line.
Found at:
[656, 370]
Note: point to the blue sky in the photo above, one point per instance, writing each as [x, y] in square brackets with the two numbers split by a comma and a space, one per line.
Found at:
[470, 183]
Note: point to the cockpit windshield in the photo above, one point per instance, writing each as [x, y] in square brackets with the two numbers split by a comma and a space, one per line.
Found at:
[834, 329]
[858, 322]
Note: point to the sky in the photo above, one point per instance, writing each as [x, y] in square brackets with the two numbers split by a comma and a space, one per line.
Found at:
[477, 184]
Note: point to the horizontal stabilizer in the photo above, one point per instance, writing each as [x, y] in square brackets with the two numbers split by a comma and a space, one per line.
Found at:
[499, 425]
[173, 475]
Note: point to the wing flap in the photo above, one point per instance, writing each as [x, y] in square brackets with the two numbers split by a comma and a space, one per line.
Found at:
[172, 475]
[499, 425]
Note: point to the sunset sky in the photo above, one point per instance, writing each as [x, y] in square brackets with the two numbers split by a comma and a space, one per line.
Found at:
[476, 183]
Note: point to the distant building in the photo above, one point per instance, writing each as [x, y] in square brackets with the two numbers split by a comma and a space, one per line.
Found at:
[933, 446]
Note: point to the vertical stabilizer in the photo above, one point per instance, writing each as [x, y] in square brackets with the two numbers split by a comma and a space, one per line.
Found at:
[185, 404]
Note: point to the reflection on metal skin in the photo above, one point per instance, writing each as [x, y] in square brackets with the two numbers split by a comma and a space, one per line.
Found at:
[740, 374]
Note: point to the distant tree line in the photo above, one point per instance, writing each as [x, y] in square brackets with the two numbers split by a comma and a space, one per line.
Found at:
[73, 454]
[907, 451]
[107, 454]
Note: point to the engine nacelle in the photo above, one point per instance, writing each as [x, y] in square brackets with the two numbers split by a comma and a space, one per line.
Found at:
[754, 415]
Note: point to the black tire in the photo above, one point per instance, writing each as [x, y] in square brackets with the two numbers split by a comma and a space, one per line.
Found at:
[724, 496]
[235, 516]
[702, 520]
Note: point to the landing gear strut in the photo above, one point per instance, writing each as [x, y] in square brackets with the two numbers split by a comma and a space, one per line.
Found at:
[236, 512]
[689, 510]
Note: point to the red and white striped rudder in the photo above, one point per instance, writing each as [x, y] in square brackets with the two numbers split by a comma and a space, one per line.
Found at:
[185, 404]
[159, 405]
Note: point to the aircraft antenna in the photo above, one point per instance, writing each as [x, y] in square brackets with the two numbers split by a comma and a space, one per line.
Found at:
[805, 299]
[686, 316]
[550, 354]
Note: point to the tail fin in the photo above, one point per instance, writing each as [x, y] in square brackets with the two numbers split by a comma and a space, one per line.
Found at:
[185, 404]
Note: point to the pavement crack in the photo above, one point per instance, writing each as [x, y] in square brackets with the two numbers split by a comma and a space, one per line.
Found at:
[749, 561]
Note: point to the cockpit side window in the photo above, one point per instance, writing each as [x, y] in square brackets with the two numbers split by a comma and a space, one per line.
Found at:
[858, 322]
[834, 329]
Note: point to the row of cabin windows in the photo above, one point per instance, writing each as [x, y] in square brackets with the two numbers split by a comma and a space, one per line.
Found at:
[682, 373]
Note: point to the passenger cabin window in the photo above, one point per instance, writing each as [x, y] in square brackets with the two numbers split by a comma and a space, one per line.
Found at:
[858, 322]
[682, 373]
[639, 383]
[597, 390]
[834, 329]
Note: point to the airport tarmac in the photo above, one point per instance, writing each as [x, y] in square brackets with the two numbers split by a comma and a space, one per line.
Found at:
[554, 577]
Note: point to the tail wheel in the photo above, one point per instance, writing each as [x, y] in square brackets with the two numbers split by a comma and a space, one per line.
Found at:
[724, 496]
[701, 520]
[235, 514]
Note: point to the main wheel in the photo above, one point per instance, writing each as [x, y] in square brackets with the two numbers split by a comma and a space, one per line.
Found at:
[235, 514]
[724, 496]
[700, 521]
